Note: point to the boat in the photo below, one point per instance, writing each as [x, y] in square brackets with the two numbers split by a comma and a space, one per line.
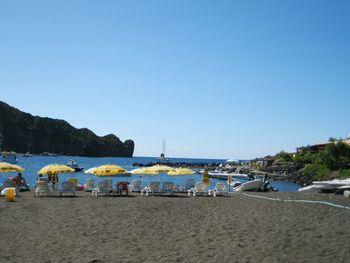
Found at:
[162, 157]
[254, 185]
[313, 187]
[73, 164]
[9, 157]
[335, 185]
[224, 175]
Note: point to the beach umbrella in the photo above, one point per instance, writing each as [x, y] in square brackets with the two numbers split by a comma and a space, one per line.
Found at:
[90, 171]
[8, 167]
[55, 169]
[107, 170]
[180, 171]
[142, 170]
[155, 169]
[159, 168]
[52, 171]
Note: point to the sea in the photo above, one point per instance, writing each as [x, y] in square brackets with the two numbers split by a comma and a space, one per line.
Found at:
[34, 163]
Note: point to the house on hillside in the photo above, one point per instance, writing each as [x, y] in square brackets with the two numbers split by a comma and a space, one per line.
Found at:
[319, 147]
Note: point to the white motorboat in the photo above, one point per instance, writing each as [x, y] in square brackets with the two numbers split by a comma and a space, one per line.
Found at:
[315, 188]
[253, 185]
[223, 175]
[73, 164]
[332, 185]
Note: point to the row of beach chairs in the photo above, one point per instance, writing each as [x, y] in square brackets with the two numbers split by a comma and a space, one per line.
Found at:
[106, 187]
[42, 188]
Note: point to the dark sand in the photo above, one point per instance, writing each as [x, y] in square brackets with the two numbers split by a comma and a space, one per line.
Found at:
[174, 229]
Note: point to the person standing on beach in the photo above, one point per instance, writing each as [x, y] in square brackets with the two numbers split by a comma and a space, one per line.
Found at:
[205, 177]
[54, 180]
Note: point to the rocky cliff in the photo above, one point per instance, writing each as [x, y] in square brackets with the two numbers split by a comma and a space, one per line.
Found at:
[22, 131]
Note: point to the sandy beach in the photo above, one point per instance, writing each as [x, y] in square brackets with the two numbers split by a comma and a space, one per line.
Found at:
[238, 228]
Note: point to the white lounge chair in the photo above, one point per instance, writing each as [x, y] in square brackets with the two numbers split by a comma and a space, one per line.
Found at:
[89, 185]
[199, 189]
[220, 189]
[136, 186]
[67, 188]
[168, 188]
[122, 187]
[42, 188]
[152, 188]
[103, 187]
[190, 183]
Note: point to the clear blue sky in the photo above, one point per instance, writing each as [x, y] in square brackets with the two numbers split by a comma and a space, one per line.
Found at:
[219, 79]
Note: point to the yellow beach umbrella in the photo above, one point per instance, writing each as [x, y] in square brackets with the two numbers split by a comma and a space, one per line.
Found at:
[90, 171]
[108, 170]
[180, 171]
[159, 168]
[155, 169]
[142, 170]
[55, 168]
[8, 167]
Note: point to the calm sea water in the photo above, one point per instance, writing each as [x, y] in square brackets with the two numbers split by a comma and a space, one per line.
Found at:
[35, 163]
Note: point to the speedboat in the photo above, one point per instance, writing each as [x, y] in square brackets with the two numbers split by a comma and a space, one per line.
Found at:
[224, 175]
[333, 185]
[72, 164]
[254, 185]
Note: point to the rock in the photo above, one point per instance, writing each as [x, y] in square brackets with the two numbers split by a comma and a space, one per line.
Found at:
[21, 129]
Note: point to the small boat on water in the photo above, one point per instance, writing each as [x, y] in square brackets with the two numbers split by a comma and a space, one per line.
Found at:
[223, 175]
[254, 185]
[75, 166]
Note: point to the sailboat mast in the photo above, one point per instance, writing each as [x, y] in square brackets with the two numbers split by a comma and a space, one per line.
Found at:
[163, 146]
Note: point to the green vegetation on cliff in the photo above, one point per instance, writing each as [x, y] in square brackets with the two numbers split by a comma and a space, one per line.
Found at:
[305, 167]
[22, 132]
[332, 162]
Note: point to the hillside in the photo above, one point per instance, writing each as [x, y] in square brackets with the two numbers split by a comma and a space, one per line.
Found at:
[22, 131]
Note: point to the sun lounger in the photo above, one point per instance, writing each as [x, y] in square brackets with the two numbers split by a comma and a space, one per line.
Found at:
[122, 187]
[103, 187]
[152, 188]
[168, 188]
[89, 185]
[220, 189]
[136, 186]
[199, 189]
[190, 183]
[75, 182]
[67, 188]
[42, 188]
